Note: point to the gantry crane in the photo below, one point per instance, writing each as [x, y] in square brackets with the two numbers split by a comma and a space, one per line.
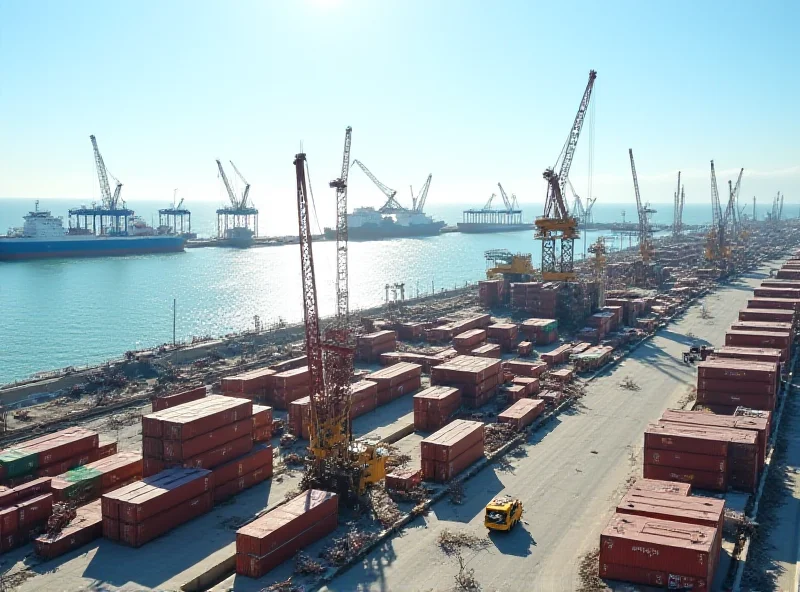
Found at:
[418, 202]
[677, 215]
[231, 195]
[509, 202]
[556, 222]
[646, 248]
[109, 201]
[336, 461]
[392, 205]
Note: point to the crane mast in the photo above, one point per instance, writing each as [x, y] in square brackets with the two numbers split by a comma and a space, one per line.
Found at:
[556, 223]
[231, 194]
[644, 211]
[391, 205]
[340, 184]
[419, 201]
[506, 200]
[109, 201]
[678, 210]
[246, 191]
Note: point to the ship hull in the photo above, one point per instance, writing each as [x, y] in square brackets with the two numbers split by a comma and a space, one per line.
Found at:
[482, 228]
[17, 249]
[369, 232]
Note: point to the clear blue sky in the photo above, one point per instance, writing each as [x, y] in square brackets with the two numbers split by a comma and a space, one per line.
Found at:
[474, 92]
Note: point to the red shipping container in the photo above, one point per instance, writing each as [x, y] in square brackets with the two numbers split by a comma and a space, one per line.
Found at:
[394, 375]
[686, 460]
[646, 486]
[705, 511]
[515, 392]
[85, 483]
[779, 303]
[110, 529]
[654, 578]
[765, 326]
[84, 528]
[452, 440]
[531, 384]
[757, 354]
[106, 448]
[197, 417]
[152, 466]
[732, 369]
[766, 402]
[522, 413]
[664, 545]
[217, 456]
[145, 531]
[465, 370]
[529, 369]
[292, 378]
[175, 450]
[262, 434]
[55, 447]
[153, 447]
[403, 479]
[180, 398]
[281, 398]
[259, 457]
[489, 350]
[262, 415]
[767, 314]
[10, 495]
[256, 567]
[9, 520]
[34, 510]
[141, 500]
[737, 386]
[713, 481]
[280, 525]
[445, 471]
[229, 489]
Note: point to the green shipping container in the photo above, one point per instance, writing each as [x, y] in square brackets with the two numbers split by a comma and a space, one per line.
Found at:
[15, 463]
[84, 482]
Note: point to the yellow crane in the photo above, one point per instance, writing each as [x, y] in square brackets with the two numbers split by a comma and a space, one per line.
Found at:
[513, 267]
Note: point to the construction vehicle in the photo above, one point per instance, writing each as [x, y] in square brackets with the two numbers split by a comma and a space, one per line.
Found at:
[512, 267]
[557, 224]
[696, 353]
[335, 462]
[502, 513]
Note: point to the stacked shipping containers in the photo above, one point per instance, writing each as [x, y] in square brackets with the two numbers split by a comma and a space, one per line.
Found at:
[557, 356]
[488, 350]
[276, 536]
[523, 368]
[522, 413]
[84, 528]
[24, 511]
[434, 406]
[370, 346]
[253, 385]
[535, 298]
[59, 452]
[726, 383]
[395, 381]
[175, 399]
[88, 482]
[465, 342]
[289, 386]
[363, 397]
[540, 331]
[476, 378]
[503, 334]
[491, 292]
[139, 512]
[450, 450]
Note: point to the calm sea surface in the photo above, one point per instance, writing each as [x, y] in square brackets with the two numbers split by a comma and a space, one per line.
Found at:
[56, 313]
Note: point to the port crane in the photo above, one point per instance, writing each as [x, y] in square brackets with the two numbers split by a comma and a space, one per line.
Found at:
[583, 213]
[717, 248]
[231, 195]
[392, 205]
[646, 248]
[418, 202]
[509, 202]
[556, 224]
[109, 201]
[335, 460]
[677, 216]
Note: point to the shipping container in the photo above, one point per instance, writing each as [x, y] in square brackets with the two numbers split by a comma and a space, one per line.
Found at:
[142, 532]
[221, 454]
[733, 369]
[83, 529]
[25, 457]
[686, 460]
[86, 483]
[644, 486]
[522, 413]
[664, 545]
[227, 490]
[176, 450]
[713, 481]
[654, 578]
[704, 511]
[465, 370]
[394, 375]
[259, 457]
[452, 440]
[175, 399]
[195, 418]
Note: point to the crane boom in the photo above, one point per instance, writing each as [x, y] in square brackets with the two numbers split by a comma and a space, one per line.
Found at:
[556, 181]
[488, 205]
[102, 175]
[509, 205]
[246, 191]
[716, 209]
[391, 203]
[340, 184]
[231, 194]
[677, 213]
[645, 233]
[422, 196]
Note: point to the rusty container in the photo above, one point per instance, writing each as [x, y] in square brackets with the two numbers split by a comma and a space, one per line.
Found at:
[522, 413]
[259, 457]
[227, 490]
[686, 460]
[732, 369]
[713, 481]
[175, 399]
[145, 531]
[527, 369]
[221, 454]
[175, 450]
[452, 440]
[195, 418]
[84, 528]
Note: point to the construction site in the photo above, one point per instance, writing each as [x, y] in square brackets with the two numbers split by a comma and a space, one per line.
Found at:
[615, 423]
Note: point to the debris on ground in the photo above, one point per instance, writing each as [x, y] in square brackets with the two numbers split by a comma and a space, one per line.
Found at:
[384, 507]
[284, 586]
[416, 494]
[629, 385]
[455, 492]
[63, 514]
[451, 542]
[589, 573]
[465, 578]
[496, 435]
[345, 548]
[287, 439]
[23, 415]
[293, 459]
[304, 565]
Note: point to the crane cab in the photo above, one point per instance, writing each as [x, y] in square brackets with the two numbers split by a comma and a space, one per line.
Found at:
[502, 513]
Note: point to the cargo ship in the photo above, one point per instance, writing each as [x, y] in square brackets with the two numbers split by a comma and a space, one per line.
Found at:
[43, 236]
[370, 224]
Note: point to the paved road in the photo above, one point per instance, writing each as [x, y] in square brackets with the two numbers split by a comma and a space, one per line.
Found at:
[570, 478]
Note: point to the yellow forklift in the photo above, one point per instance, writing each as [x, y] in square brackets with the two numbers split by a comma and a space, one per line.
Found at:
[502, 513]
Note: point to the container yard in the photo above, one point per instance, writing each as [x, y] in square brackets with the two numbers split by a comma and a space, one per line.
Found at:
[619, 416]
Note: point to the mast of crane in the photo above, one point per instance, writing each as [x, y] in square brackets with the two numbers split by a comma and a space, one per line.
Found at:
[109, 201]
[644, 211]
[419, 201]
[340, 184]
[676, 218]
[506, 200]
[556, 223]
[231, 194]
[246, 191]
[391, 205]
